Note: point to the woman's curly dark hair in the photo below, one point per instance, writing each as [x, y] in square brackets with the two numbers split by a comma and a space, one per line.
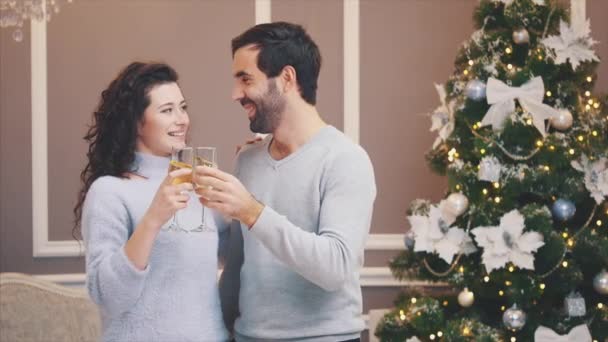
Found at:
[112, 135]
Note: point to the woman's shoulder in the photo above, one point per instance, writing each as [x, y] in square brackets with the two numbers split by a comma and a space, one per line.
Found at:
[106, 183]
[121, 189]
[104, 197]
[107, 186]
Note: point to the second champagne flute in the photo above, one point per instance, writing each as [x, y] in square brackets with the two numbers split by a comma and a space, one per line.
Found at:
[204, 156]
[180, 159]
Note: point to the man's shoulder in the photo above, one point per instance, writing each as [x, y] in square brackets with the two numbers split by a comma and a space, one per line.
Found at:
[347, 163]
[342, 147]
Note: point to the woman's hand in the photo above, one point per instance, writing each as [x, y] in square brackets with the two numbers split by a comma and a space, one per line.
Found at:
[258, 137]
[169, 198]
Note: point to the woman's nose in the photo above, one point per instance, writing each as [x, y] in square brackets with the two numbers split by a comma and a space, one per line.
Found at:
[182, 118]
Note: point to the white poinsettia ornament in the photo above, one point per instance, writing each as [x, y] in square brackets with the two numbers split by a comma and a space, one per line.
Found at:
[572, 44]
[433, 234]
[443, 117]
[507, 242]
[596, 176]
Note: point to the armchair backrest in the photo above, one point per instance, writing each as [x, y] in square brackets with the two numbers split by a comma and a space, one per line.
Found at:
[32, 309]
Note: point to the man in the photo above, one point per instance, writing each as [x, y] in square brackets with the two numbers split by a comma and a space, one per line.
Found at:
[303, 199]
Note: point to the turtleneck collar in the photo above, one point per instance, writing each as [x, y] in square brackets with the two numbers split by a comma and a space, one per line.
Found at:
[150, 166]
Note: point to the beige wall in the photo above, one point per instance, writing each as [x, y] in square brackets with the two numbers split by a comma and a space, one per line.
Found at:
[82, 59]
[406, 46]
[323, 20]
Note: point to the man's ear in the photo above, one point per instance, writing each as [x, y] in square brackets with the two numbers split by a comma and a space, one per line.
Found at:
[289, 78]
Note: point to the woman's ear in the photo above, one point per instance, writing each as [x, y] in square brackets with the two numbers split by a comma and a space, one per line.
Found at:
[140, 125]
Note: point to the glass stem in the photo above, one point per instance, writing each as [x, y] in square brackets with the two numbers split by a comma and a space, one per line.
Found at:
[203, 217]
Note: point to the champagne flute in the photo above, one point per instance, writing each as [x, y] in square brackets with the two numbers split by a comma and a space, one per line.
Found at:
[181, 158]
[204, 156]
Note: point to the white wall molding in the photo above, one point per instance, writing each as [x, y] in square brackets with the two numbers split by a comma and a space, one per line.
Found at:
[263, 11]
[70, 248]
[578, 16]
[58, 249]
[383, 277]
[385, 242]
[42, 247]
[351, 69]
[369, 277]
[65, 279]
[40, 210]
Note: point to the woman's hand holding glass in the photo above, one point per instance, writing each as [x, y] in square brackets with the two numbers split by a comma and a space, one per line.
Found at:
[169, 198]
[181, 158]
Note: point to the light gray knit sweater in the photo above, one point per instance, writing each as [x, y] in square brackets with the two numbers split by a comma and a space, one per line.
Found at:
[299, 278]
[176, 297]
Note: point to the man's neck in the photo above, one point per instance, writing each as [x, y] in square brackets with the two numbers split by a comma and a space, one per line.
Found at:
[294, 131]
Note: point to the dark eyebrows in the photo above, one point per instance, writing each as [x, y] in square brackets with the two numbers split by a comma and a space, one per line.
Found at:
[165, 104]
[171, 104]
[241, 74]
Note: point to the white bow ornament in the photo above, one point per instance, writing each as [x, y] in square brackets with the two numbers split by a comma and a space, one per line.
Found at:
[580, 333]
[530, 97]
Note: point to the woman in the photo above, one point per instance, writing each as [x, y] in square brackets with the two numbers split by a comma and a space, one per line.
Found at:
[150, 284]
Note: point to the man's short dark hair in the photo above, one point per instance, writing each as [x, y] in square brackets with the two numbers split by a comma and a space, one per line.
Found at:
[281, 44]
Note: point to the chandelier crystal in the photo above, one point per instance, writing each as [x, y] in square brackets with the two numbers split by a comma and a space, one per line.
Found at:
[13, 13]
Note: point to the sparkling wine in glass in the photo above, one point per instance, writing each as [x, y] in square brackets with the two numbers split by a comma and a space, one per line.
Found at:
[204, 156]
[181, 158]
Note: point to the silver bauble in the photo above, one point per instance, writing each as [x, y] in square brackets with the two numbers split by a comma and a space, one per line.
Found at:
[563, 120]
[409, 239]
[521, 36]
[466, 298]
[600, 282]
[457, 203]
[563, 209]
[514, 318]
[476, 90]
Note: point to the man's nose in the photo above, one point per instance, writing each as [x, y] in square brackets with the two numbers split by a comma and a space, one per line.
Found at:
[237, 93]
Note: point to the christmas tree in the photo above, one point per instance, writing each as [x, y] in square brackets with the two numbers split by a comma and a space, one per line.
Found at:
[522, 234]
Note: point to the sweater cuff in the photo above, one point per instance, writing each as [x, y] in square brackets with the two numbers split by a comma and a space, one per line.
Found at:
[267, 219]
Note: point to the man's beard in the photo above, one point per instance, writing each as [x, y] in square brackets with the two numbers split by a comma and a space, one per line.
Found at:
[268, 110]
